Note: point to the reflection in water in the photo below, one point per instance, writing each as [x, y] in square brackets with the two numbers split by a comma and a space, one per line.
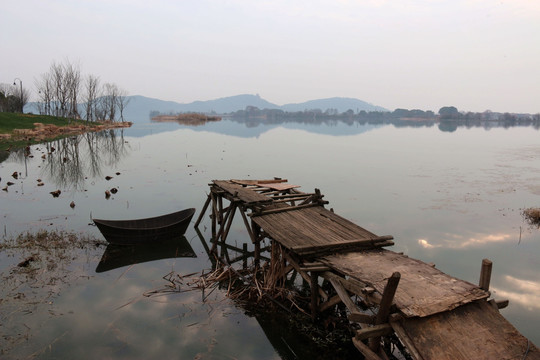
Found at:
[460, 242]
[70, 161]
[526, 293]
[116, 256]
[292, 333]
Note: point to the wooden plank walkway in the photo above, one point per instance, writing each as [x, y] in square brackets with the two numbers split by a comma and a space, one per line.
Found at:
[435, 315]
[423, 290]
[473, 331]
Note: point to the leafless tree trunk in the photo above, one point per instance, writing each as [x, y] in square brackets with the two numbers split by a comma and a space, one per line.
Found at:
[122, 102]
[92, 86]
[45, 94]
[59, 92]
[110, 99]
[72, 78]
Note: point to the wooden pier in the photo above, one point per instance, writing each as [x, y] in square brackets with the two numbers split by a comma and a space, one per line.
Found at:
[434, 315]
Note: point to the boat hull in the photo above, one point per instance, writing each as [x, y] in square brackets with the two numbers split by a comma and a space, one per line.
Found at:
[143, 231]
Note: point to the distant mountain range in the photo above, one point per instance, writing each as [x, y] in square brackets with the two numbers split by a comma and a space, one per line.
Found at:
[141, 106]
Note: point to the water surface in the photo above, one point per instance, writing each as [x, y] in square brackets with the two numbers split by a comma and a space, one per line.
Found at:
[448, 197]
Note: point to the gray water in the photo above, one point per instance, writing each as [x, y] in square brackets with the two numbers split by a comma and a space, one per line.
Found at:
[448, 197]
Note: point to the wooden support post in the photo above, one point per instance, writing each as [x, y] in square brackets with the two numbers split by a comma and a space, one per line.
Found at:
[246, 223]
[244, 255]
[485, 274]
[220, 209]
[229, 223]
[257, 243]
[384, 308]
[314, 285]
[207, 202]
[257, 254]
[214, 216]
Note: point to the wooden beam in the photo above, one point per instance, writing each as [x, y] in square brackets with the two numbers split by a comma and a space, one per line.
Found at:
[246, 223]
[353, 242]
[344, 295]
[365, 350]
[485, 274]
[206, 203]
[333, 301]
[284, 209]
[303, 274]
[374, 332]
[501, 304]
[406, 340]
[315, 268]
[361, 318]
[384, 307]
[314, 294]
[354, 286]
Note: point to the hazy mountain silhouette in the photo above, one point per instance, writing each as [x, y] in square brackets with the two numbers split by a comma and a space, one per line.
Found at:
[339, 103]
[140, 106]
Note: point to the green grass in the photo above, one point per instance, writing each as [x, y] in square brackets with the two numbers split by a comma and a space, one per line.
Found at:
[11, 121]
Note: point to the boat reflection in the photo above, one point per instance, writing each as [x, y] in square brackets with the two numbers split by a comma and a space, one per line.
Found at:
[117, 256]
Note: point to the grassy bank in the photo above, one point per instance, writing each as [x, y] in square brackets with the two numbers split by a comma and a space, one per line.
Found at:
[11, 121]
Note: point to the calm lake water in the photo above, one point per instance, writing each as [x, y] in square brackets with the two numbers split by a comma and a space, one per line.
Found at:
[448, 197]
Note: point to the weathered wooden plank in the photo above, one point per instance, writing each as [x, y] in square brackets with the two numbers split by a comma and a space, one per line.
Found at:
[283, 209]
[246, 195]
[361, 318]
[423, 290]
[384, 307]
[255, 182]
[312, 226]
[278, 186]
[344, 295]
[472, 331]
[343, 243]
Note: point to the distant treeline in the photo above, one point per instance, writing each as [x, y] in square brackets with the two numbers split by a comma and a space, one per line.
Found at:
[447, 113]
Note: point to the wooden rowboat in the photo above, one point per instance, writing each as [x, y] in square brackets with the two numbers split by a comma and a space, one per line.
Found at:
[142, 231]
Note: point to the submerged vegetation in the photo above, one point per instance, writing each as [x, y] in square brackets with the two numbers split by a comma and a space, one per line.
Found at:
[36, 267]
[532, 216]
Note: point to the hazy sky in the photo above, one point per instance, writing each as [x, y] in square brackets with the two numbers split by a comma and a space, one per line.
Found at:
[472, 54]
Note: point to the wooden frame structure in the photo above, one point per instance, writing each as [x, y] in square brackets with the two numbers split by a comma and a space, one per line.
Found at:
[406, 295]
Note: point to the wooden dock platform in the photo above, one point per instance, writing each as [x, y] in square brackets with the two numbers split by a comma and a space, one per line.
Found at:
[434, 315]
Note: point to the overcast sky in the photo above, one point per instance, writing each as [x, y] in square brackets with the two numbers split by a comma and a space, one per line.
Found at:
[472, 54]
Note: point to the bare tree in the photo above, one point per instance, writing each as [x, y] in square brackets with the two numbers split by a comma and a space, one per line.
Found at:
[91, 97]
[45, 94]
[59, 93]
[72, 84]
[109, 101]
[122, 102]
